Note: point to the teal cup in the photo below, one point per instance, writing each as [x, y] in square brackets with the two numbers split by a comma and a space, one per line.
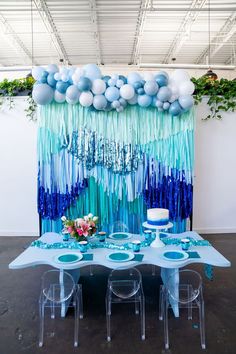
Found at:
[102, 236]
[185, 244]
[148, 235]
[83, 246]
[66, 237]
[136, 245]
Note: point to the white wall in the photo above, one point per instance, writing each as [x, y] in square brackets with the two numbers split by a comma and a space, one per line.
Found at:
[215, 173]
[215, 170]
[18, 172]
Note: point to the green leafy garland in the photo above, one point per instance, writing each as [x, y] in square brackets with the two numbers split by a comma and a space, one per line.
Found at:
[221, 94]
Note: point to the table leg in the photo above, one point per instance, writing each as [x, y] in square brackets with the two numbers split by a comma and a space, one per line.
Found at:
[165, 274]
[75, 273]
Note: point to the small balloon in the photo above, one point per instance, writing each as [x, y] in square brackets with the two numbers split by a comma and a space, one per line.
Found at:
[112, 93]
[161, 80]
[84, 84]
[144, 100]
[98, 86]
[59, 97]
[42, 94]
[164, 94]
[119, 83]
[112, 82]
[57, 76]
[159, 104]
[123, 78]
[140, 91]
[86, 99]
[127, 91]
[123, 102]
[186, 102]
[175, 108]
[61, 86]
[151, 88]
[99, 101]
[115, 104]
[166, 106]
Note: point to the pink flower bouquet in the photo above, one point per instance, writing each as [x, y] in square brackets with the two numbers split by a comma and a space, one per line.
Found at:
[80, 228]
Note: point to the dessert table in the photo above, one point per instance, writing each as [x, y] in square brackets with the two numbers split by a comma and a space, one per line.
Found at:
[34, 256]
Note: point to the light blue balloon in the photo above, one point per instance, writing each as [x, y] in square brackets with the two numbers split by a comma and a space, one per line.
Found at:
[84, 84]
[154, 100]
[42, 94]
[123, 78]
[166, 106]
[115, 77]
[72, 93]
[133, 100]
[37, 72]
[112, 93]
[164, 94]
[159, 104]
[62, 86]
[52, 68]
[112, 82]
[115, 104]
[140, 91]
[119, 83]
[175, 108]
[99, 102]
[144, 100]
[137, 85]
[92, 72]
[120, 109]
[186, 102]
[43, 77]
[142, 82]
[106, 79]
[57, 76]
[162, 73]
[123, 102]
[133, 77]
[151, 88]
[161, 80]
[51, 81]
[59, 97]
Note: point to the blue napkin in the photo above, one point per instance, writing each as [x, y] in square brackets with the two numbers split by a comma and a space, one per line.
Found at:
[138, 257]
[87, 257]
[193, 254]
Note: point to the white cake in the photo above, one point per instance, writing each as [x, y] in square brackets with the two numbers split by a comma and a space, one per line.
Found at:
[157, 216]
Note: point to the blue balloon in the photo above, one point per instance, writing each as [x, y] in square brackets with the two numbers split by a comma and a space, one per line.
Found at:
[137, 85]
[123, 102]
[123, 78]
[72, 93]
[186, 102]
[133, 77]
[142, 82]
[99, 102]
[154, 100]
[162, 80]
[119, 83]
[151, 88]
[84, 84]
[164, 94]
[61, 86]
[51, 81]
[92, 72]
[42, 94]
[162, 73]
[140, 91]
[175, 108]
[112, 93]
[144, 100]
[43, 77]
[115, 77]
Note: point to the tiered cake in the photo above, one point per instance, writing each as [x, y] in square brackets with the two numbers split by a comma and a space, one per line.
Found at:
[157, 216]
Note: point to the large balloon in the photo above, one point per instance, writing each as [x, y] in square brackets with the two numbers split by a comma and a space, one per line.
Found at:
[175, 108]
[186, 102]
[133, 100]
[62, 86]
[148, 76]
[51, 81]
[52, 68]
[179, 75]
[42, 94]
[112, 94]
[98, 87]
[133, 77]
[151, 88]
[99, 102]
[59, 97]
[127, 92]
[164, 94]
[144, 100]
[92, 72]
[86, 99]
[161, 80]
[37, 72]
[84, 84]
[186, 88]
[72, 93]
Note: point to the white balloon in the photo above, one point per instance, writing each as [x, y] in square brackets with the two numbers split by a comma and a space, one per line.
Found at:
[59, 97]
[79, 72]
[37, 72]
[86, 99]
[179, 75]
[173, 98]
[174, 88]
[127, 91]
[98, 87]
[75, 78]
[186, 88]
[133, 100]
[148, 76]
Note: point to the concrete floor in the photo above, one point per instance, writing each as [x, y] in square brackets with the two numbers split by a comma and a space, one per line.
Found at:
[19, 293]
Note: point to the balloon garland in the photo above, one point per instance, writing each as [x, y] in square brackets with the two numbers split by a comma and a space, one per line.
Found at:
[87, 86]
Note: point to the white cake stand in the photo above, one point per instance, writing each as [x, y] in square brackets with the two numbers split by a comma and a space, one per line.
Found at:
[157, 242]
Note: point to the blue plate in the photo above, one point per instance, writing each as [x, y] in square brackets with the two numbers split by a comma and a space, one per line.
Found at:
[68, 258]
[173, 255]
[120, 236]
[120, 256]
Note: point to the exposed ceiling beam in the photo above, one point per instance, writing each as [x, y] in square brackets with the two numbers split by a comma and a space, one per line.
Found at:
[15, 41]
[94, 19]
[184, 29]
[232, 58]
[220, 39]
[47, 19]
[144, 4]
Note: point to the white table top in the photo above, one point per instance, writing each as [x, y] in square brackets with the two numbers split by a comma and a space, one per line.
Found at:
[33, 256]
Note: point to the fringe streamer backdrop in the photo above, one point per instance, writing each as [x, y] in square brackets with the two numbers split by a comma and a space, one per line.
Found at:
[114, 165]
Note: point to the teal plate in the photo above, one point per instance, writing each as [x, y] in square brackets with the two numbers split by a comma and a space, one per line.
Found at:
[175, 255]
[120, 236]
[120, 256]
[69, 258]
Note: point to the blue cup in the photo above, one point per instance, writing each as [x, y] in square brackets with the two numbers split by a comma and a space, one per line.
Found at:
[83, 246]
[66, 237]
[185, 244]
[136, 245]
[102, 236]
[148, 235]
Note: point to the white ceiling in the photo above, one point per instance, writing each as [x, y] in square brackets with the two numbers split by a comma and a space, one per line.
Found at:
[118, 32]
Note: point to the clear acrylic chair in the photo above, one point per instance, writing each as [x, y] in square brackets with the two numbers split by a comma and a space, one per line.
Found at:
[59, 290]
[188, 294]
[119, 226]
[125, 285]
